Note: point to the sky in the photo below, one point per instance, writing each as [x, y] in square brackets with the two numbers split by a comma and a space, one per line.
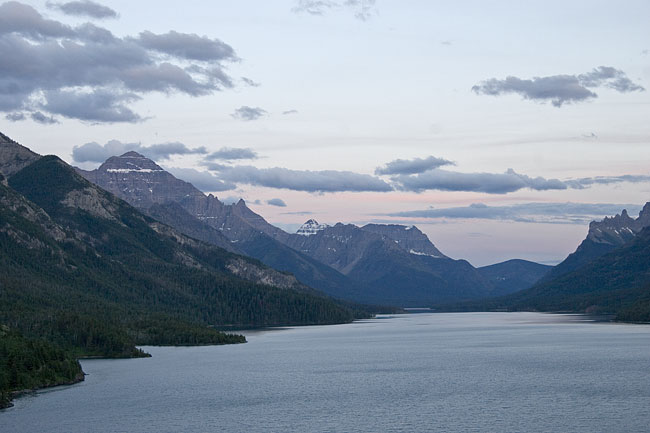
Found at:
[499, 128]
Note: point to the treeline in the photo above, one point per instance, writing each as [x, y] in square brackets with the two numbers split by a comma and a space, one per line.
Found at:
[32, 363]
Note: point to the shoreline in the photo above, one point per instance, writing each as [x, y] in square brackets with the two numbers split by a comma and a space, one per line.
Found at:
[80, 377]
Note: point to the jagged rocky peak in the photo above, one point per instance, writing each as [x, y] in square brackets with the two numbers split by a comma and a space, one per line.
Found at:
[311, 227]
[620, 228]
[408, 238]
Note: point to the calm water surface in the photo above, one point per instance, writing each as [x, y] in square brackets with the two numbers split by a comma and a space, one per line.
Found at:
[483, 372]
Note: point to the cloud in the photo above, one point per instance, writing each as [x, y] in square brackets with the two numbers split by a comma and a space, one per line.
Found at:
[298, 213]
[363, 9]
[232, 153]
[302, 180]
[187, 46]
[95, 152]
[553, 213]
[276, 202]
[248, 113]
[84, 8]
[412, 166]
[586, 182]
[560, 89]
[491, 183]
[15, 117]
[41, 118]
[97, 106]
[203, 180]
[250, 82]
[87, 73]
[290, 112]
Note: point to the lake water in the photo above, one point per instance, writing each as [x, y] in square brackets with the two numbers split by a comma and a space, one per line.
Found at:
[471, 372]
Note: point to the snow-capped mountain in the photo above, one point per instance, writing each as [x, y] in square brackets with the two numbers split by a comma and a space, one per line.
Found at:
[311, 227]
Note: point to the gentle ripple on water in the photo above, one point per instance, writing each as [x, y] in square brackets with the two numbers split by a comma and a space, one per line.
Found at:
[472, 372]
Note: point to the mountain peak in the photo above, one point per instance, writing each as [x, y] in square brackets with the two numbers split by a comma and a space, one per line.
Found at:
[132, 154]
[13, 156]
[311, 227]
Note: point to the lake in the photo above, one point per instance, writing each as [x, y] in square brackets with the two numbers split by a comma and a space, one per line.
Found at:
[469, 372]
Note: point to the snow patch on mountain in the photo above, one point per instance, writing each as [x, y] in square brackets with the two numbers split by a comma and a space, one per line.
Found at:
[310, 228]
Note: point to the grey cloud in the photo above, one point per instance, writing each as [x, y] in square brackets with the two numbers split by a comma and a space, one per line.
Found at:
[290, 112]
[41, 118]
[412, 166]
[203, 180]
[303, 180]
[560, 89]
[84, 8]
[276, 202]
[248, 113]
[15, 117]
[250, 82]
[98, 106]
[550, 213]
[363, 9]
[95, 152]
[19, 18]
[606, 180]
[232, 153]
[491, 183]
[188, 46]
[88, 73]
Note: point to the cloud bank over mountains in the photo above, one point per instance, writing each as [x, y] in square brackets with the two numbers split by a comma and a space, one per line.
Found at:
[416, 175]
[85, 72]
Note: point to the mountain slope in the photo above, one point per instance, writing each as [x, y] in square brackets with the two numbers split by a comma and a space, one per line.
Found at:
[617, 282]
[400, 265]
[76, 258]
[513, 275]
[603, 236]
[148, 187]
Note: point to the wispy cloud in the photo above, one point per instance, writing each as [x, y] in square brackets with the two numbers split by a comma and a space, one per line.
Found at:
[548, 213]
[276, 202]
[560, 89]
[363, 9]
[412, 166]
[248, 113]
[232, 153]
[84, 8]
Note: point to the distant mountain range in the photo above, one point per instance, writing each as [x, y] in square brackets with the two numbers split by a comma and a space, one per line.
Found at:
[377, 264]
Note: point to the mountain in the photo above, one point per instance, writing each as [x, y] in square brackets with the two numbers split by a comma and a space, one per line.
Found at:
[146, 186]
[513, 275]
[603, 236]
[13, 156]
[91, 273]
[377, 264]
[618, 282]
[399, 263]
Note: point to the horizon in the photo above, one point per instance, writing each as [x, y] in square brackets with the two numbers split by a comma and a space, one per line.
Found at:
[388, 112]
